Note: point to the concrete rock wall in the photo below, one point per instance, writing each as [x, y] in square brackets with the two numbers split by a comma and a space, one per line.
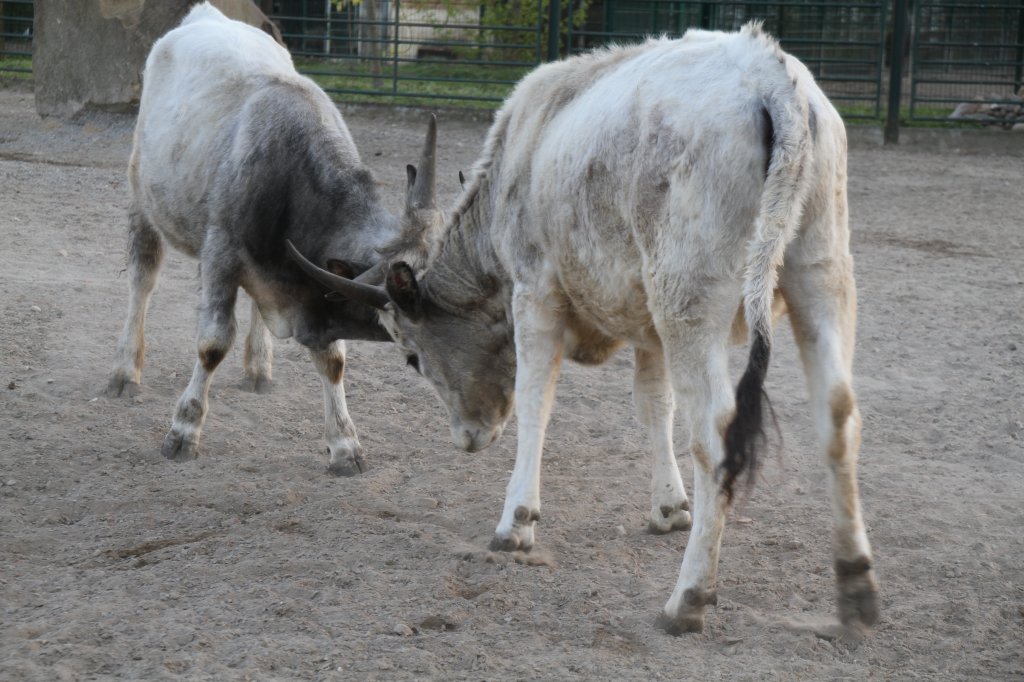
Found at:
[89, 54]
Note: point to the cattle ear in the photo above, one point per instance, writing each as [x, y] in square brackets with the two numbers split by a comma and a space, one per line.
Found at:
[344, 268]
[402, 288]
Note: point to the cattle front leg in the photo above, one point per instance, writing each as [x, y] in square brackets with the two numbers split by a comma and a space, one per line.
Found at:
[343, 449]
[538, 336]
[822, 303]
[652, 397]
[259, 353]
[216, 334]
[145, 254]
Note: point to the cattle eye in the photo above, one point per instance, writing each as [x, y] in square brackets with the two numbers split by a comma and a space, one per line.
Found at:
[413, 361]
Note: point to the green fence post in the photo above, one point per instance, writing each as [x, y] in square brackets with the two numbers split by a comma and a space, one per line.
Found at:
[880, 57]
[554, 29]
[899, 30]
[394, 56]
[1018, 83]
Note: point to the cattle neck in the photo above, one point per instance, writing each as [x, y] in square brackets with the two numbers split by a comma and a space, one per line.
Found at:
[465, 272]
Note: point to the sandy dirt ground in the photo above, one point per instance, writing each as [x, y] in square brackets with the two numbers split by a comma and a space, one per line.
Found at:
[253, 563]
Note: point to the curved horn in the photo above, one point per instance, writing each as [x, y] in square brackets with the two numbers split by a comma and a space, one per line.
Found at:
[350, 289]
[423, 193]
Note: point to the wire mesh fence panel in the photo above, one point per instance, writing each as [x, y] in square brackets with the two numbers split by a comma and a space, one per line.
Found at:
[16, 38]
[967, 61]
[458, 52]
[842, 43]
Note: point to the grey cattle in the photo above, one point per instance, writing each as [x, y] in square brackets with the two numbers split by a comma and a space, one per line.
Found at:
[643, 195]
[234, 153]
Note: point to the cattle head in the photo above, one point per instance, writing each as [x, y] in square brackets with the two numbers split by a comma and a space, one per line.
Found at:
[417, 229]
[462, 343]
[410, 238]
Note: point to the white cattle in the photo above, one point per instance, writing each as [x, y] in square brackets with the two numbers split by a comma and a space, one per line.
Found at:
[643, 194]
[234, 153]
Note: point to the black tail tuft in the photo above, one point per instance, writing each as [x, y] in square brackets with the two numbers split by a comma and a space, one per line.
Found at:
[746, 433]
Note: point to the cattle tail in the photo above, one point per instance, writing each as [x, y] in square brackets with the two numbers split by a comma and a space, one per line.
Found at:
[788, 137]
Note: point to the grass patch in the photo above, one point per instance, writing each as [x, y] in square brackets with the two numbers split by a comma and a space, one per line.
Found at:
[859, 113]
[415, 83]
[938, 117]
[16, 67]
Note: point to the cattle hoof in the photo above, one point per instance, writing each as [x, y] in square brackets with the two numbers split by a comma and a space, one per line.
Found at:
[520, 536]
[179, 447]
[121, 385]
[350, 467]
[259, 384]
[351, 463]
[669, 518]
[512, 543]
[858, 598]
[684, 623]
[689, 615]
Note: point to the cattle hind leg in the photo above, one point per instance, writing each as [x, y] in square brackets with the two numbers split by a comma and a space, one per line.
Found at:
[822, 302]
[343, 449]
[700, 375]
[694, 334]
[259, 353]
[652, 397]
[145, 254]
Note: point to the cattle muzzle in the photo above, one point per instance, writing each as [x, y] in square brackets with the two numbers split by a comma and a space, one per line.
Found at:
[474, 437]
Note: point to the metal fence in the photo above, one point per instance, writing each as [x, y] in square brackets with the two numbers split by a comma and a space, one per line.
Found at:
[922, 60]
[969, 57]
[16, 37]
[410, 51]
